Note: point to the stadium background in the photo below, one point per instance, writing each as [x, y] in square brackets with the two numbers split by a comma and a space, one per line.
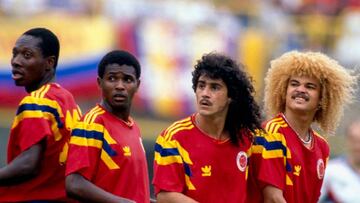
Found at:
[168, 36]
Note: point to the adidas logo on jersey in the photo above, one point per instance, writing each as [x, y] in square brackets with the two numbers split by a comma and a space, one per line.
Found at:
[206, 171]
[127, 151]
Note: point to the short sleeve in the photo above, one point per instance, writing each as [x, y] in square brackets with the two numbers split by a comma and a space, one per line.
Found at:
[169, 167]
[271, 160]
[35, 119]
[84, 150]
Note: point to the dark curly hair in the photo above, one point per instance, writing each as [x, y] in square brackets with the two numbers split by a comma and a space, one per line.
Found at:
[244, 113]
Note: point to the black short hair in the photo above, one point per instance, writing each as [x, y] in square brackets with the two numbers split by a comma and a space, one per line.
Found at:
[119, 57]
[244, 113]
[49, 43]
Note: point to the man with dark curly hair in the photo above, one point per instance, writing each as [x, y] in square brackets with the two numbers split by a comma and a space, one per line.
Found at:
[301, 88]
[203, 158]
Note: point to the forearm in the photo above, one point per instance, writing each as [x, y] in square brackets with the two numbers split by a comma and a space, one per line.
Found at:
[23, 167]
[173, 197]
[10, 175]
[273, 195]
[81, 189]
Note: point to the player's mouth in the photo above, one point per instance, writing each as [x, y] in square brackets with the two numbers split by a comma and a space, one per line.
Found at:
[119, 97]
[16, 74]
[300, 97]
[205, 102]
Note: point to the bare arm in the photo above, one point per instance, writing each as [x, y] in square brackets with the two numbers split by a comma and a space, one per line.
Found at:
[273, 195]
[23, 167]
[173, 197]
[81, 189]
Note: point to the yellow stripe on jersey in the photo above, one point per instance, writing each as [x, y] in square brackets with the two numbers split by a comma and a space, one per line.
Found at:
[41, 104]
[170, 146]
[274, 125]
[88, 116]
[177, 123]
[37, 92]
[46, 89]
[86, 142]
[169, 152]
[189, 184]
[176, 128]
[288, 180]
[108, 160]
[39, 114]
[91, 134]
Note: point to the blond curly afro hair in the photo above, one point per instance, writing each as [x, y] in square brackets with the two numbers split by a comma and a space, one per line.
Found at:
[337, 85]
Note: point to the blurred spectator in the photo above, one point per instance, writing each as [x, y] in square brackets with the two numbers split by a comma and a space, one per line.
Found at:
[347, 47]
[342, 177]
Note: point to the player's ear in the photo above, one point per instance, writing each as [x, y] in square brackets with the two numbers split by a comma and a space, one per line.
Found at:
[50, 63]
[99, 82]
[138, 84]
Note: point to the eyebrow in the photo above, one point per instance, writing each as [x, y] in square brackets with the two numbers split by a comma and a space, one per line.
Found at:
[307, 83]
[122, 73]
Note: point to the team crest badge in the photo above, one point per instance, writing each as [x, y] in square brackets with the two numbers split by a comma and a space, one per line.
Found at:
[241, 161]
[320, 168]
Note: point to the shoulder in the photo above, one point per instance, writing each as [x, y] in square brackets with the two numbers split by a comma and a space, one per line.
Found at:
[93, 116]
[37, 104]
[321, 142]
[50, 95]
[177, 129]
[272, 131]
[90, 126]
[56, 92]
[274, 125]
[320, 138]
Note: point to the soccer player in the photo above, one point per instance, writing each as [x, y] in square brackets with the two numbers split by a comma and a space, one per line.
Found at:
[342, 177]
[106, 159]
[204, 157]
[301, 88]
[42, 125]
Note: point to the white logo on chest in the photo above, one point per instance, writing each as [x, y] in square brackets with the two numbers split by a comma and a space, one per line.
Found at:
[320, 168]
[241, 161]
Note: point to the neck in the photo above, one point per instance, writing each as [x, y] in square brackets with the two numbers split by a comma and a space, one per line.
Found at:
[212, 126]
[36, 86]
[122, 114]
[300, 123]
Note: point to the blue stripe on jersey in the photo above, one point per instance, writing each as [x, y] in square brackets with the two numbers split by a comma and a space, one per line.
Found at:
[274, 145]
[108, 149]
[172, 152]
[43, 108]
[166, 151]
[270, 145]
[88, 134]
[92, 134]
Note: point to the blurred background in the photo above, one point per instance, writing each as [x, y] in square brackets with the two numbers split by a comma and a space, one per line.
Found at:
[168, 36]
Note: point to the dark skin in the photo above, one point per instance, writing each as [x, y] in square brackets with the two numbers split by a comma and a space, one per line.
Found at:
[31, 70]
[118, 85]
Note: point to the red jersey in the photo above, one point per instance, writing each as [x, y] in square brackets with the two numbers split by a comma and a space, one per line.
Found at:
[47, 113]
[190, 162]
[109, 152]
[281, 160]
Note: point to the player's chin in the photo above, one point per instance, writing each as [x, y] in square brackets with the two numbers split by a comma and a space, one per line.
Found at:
[204, 112]
[119, 105]
[19, 82]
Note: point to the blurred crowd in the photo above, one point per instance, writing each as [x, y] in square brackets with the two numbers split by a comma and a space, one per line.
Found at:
[168, 36]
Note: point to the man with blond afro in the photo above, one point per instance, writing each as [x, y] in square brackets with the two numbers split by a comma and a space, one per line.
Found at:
[301, 88]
